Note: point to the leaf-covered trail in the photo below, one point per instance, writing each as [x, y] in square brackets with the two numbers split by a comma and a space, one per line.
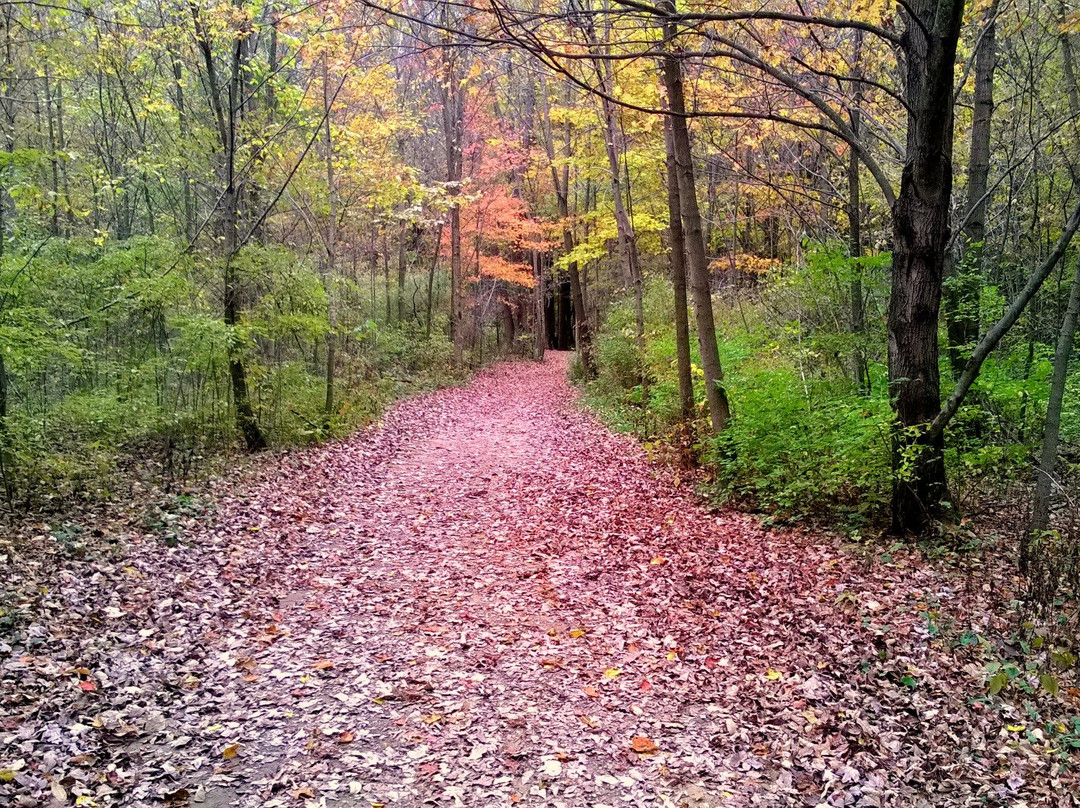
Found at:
[491, 600]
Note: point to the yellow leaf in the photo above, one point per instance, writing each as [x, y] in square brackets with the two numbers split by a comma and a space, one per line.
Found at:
[612, 673]
[1015, 727]
[658, 560]
[577, 632]
[773, 675]
[229, 752]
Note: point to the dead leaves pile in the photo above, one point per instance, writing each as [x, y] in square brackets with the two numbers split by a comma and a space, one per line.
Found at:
[490, 600]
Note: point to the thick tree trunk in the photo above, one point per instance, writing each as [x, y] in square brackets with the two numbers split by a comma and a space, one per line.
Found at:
[719, 410]
[678, 279]
[920, 236]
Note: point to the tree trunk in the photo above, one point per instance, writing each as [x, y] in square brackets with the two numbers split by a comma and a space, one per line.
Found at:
[453, 133]
[859, 371]
[678, 279]
[920, 236]
[629, 259]
[561, 183]
[331, 242]
[431, 280]
[541, 307]
[1048, 457]
[1044, 481]
[402, 263]
[964, 284]
[700, 288]
[225, 115]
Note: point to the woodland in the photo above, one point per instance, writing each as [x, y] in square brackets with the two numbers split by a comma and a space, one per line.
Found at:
[583, 403]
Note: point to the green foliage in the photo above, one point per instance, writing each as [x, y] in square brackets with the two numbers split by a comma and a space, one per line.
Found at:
[802, 440]
[117, 358]
[799, 447]
[805, 439]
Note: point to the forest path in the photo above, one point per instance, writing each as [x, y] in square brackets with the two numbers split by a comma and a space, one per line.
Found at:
[497, 601]
[487, 600]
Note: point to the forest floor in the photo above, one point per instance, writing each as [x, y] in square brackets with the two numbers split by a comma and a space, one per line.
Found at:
[487, 600]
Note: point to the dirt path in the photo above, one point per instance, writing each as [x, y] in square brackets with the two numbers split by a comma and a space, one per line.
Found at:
[491, 601]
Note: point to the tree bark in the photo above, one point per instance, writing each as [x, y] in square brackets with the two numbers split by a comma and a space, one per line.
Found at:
[453, 133]
[330, 262]
[678, 279]
[402, 264]
[859, 371]
[225, 115]
[541, 306]
[700, 288]
[431, 279]
[920, 237]
[629, 259]
[964, 284]
[1046, 470]
[561, 183]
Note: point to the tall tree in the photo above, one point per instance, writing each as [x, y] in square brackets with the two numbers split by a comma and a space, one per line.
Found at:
[700, 286]
[678, 276]
[920, 237]
[228, 101]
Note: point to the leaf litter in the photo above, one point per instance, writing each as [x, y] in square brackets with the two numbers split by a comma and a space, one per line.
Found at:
[490, 600]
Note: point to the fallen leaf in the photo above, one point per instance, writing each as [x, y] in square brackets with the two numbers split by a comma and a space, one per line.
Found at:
[643, 745]
[58, 791]
[229, 752]
[612, 673]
